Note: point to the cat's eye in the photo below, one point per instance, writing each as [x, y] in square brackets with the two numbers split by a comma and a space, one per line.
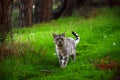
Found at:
[57, 39]
[62, 39]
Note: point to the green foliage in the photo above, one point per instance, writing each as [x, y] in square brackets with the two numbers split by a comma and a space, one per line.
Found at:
[36, 61]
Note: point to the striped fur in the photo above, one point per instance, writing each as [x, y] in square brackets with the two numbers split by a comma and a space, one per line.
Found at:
[77, 37]
[65, 47]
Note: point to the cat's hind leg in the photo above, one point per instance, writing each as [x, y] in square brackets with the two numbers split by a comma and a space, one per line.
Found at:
[73, 56]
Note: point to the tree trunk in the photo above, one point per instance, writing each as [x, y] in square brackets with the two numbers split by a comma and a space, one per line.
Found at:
[56, 13]
[42, 12]
[111, 5]
[79, 3]
[25, 13]
[70, 4]
[5, 10]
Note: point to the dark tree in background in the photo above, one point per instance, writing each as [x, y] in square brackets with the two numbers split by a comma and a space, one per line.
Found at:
[79, 3]
[5, 17]
[37, 9]
[110, 2]
[69, 7]
[25, 13]
[56, 13]
[64, 8]
[42, 11]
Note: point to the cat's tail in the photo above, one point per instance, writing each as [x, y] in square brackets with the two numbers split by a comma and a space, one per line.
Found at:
[77, 37]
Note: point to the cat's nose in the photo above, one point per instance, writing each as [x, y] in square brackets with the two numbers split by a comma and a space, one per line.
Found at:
[60, 42]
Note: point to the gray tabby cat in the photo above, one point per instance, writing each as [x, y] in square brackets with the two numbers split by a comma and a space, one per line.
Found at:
[65, 47]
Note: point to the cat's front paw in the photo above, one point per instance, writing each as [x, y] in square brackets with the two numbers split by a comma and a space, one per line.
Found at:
[62, 66]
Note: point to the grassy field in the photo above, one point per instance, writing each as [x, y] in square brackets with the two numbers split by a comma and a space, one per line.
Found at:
[35, 51]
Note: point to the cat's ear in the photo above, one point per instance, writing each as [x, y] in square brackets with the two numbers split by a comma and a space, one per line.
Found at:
[63, 34]
[54, 35]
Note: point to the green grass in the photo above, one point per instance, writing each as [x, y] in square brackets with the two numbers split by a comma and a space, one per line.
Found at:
[100, 37]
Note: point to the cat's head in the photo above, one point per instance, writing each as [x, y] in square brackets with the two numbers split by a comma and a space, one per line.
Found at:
[59, 39]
